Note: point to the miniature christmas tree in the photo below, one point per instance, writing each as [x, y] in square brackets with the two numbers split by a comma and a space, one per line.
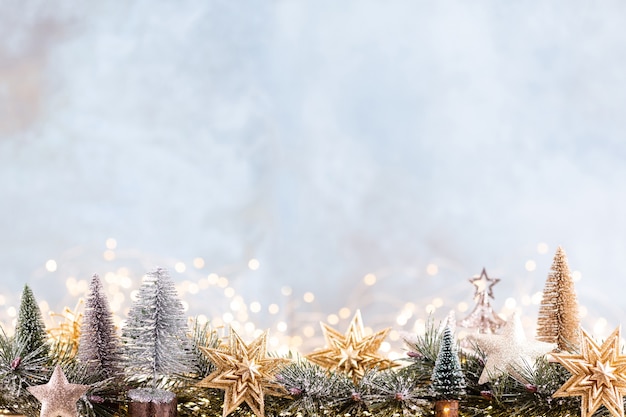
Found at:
[448, 382]
[558, 320]
[30, 330]
[482, 317]
[155, 336]
[100, 347]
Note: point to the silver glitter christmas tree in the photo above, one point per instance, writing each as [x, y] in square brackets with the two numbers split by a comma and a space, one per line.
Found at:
[155, 336]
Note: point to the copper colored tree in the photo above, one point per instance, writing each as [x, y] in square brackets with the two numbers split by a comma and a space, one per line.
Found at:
[558, 321]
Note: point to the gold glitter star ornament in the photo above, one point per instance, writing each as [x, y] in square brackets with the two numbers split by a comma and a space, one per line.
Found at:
[598, 375]
[352, 353]
[244, 372]
[58, 397]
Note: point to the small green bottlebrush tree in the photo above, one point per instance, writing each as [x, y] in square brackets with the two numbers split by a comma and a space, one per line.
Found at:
[100, 348]
[30, 331]
[155, 338]
[447, 382]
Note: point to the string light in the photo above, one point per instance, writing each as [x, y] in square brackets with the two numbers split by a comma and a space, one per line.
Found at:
[121, 286]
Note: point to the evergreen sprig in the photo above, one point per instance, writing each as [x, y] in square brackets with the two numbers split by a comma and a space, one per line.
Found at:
[311, 390]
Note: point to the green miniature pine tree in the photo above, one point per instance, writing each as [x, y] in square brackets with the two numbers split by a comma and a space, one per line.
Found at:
[30, 330]
[448, 382]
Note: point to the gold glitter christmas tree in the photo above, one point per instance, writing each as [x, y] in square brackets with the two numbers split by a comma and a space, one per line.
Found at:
[598, 375]
[352, 353]
[558, 320]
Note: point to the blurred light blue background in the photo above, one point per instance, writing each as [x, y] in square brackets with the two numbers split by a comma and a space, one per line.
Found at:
[416, 141]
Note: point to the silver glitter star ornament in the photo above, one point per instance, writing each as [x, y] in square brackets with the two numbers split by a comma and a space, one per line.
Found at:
[58, 397]
[509, 350]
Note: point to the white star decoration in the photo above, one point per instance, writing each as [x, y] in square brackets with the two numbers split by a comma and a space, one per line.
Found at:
[58, 397]
[508, 350]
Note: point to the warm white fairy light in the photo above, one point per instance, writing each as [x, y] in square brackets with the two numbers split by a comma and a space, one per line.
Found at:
[108, 255]
[235, 305]
[242, 315]
[254, 264]
[296, 341]
[198, 263]
[222, 282]
[344, 312]
[308, 331]
[255, 307]
[332, 319]
[11, 311]
[530, 265]
[281, 326]
[227, 317]
[432, 269]
[437, 302]
[229, 292]
[286, 291]
[51, 265]
[110, 243]
[576, 276]
[369, 279]
[273, 309]
[213, 278]
[308, 297]
[180, 267]
[193, 288]
[462, 306]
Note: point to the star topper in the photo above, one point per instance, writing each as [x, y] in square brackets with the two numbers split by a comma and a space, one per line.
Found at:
[598, 375]
[244, 372]
[58, 397]
[484, 285]
[352, 353]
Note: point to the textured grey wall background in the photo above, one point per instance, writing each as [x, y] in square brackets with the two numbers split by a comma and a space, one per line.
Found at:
[327, 140]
